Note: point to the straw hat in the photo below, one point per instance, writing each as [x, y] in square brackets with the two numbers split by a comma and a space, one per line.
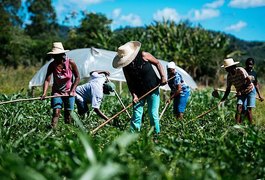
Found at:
[229, 62]
[171, 65]
[126, 54]
[57, 48]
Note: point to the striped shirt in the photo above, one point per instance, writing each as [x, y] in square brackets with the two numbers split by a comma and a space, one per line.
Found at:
[239, 81]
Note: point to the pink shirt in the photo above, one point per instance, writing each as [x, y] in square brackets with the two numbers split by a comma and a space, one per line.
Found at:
[62, 79]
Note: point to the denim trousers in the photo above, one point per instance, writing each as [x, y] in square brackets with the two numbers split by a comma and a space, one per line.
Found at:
[153, 101]
[247, 100]
[180, 102]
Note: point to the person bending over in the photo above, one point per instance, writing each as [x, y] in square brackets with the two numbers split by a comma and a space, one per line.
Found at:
[92, 93]
[180, 91]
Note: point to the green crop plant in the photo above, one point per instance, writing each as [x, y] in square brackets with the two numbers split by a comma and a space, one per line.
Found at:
[211, 147]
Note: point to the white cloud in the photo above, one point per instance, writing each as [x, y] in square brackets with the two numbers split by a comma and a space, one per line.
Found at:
[215, 4]
[197, 15]
[167, 14]
[120, 19]
[246, 3]
[116, 13]
[132, 19]
[236, 27]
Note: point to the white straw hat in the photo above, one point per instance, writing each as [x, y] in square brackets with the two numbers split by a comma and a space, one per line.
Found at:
[126, 54]
[229, 62]
[57, 48]
[171, 65]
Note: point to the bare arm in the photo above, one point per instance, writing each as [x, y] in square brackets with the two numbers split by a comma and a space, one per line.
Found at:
[149, 57]
[256, 84]
[175, 94]
[77, 76]
[227, 91]
[100, 113]
[258, 92]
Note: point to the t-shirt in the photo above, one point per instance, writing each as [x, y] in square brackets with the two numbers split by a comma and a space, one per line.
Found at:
[253, 76]
[176, 81]
[92, 91]
[238, 80]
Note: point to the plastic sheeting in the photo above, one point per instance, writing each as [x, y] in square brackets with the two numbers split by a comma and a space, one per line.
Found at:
[89, 59]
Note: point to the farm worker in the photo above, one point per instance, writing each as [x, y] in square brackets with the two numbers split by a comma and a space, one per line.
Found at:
[141, 78]
[65, 79]
[180, 91]
[92, 93]
[245, 89]
[253, 75]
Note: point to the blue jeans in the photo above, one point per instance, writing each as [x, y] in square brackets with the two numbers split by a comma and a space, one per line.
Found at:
[82, 107]
[180, 102]
[153, 101]
[248, 100]
[68, 102]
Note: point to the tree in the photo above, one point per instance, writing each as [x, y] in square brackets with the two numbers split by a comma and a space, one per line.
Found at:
[123, 35]
[9, 13]
[43, 28]
[42, 19]
[94, 31]
[10, 32]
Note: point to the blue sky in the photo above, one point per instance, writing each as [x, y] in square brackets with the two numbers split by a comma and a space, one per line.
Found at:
[244, 19]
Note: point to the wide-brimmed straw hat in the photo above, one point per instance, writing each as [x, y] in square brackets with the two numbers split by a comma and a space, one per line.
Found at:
[57, 48]
[126, 54]
[229, 62]
[171, 65]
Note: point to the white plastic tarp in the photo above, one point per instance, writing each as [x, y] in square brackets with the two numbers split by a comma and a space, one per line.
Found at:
[89, 59]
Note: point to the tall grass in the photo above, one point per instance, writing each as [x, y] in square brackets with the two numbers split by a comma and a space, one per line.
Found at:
[16, 80]
[259, 112]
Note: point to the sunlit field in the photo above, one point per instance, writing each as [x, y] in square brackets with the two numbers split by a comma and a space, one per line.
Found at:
[212, 147]
[16, 80]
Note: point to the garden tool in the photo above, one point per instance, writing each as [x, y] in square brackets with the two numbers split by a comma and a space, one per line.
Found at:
[216, 94]
[31, 99]
[210, 110]
[119, 99]
[124, 109]
[104, 123]
[162, 113]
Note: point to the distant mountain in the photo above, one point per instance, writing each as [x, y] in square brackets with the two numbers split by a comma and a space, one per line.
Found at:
[252, 49]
